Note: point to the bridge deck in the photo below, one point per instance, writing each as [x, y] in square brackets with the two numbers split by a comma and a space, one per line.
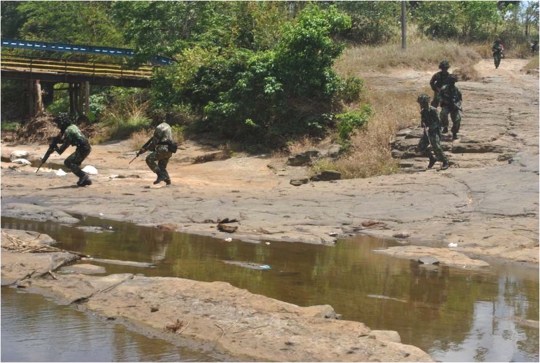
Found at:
[57, 70]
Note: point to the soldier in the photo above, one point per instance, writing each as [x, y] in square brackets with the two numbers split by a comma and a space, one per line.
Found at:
[72, 136]
[438, 80]
[451, 104]
[534, 46]
[162, 146]
[497, 50]
[431, 125]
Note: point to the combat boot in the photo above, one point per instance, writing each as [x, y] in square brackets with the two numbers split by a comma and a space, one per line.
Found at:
[160, 177]
[432, 162]
[166, 177]
[84, 180]
[445, 130]
[454, 136]
[444, 165]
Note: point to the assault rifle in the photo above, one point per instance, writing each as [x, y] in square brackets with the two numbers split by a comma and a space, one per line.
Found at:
[52, 147]
[141, 150]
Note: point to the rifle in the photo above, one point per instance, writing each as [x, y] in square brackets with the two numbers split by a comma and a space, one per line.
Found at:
[141, 150]
[52, 147]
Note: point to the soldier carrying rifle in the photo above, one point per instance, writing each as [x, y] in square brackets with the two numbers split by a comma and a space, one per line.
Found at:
[431, 125]
[70, 135]
[451, 104]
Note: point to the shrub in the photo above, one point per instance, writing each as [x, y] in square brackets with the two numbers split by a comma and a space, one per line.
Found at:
[350, 121]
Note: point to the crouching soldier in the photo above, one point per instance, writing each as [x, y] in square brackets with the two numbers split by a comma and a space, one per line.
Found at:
[70, 135]
[162, 146]
[431, 125]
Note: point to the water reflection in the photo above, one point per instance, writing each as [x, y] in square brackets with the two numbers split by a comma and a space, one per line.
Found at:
[452, 314]
[37, 330]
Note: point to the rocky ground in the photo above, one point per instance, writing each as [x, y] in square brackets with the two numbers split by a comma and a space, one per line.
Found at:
[485, 206]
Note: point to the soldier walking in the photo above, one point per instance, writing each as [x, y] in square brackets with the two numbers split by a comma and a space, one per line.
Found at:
[497, 50]
[162, 146]
[72, 136]
[451, 104]
[431, 125]
[438, 80]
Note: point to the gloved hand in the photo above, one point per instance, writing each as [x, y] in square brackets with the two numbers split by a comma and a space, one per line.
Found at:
[141, 151]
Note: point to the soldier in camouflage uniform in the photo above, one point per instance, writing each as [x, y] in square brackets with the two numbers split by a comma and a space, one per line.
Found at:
[72, 136]
[497, 50]
[451, 104]
[162, 146]
[438, 80]
[431, 125]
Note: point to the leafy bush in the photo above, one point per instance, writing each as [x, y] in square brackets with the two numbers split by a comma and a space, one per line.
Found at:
[351, 89]
[350, 121]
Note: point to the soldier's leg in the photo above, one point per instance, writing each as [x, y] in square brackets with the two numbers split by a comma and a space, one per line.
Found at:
[438, 151]
[444, 119]
[73, 163]
[163, 162]
[423, 148]
[456, 123]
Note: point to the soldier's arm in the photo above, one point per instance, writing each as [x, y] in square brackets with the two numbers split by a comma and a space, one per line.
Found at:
[433, 81]
[65, 144]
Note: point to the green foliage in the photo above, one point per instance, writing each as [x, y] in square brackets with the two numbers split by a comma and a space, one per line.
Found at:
[351, 89]
[126, 114]
[9, 126]
[373, 22]
[348, 122]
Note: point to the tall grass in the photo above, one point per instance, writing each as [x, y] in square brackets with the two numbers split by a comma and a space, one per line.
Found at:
[369, 152]
[124, 117]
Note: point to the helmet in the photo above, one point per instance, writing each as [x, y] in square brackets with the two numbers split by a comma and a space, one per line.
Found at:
[62, 120]
[423, 98]
[452, 78]
[444, 64]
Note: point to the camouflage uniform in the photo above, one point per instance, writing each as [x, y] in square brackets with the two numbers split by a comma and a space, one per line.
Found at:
[158, 159]
[431, 124]
[72, 136]
[497, 50]
[451, 104]
[438, 80]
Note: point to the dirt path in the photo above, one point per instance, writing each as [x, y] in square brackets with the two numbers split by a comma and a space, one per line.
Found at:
[486, 204]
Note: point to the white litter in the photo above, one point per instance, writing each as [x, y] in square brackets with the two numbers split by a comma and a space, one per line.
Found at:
[452, 245]
[60, 172]
[21, 162]
[267, 243]
[89, 169]
[113, 176]
[19, 154]
[228, 239]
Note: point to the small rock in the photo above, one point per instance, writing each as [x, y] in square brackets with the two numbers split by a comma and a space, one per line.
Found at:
[402, 234]
[428, 260]
[89, 169]
[19, 154]
[21, 162]
[298, 182]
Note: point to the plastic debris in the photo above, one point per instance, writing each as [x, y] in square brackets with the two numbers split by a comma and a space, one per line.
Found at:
[267, 243]
[113, 176]
[89, 169]
[228, 239]
[452, 245]
[19, 154]
[60, 172]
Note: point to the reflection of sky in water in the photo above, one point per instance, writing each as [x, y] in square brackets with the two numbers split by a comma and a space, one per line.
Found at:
[453, 314]
[495, 335]
[34, 329]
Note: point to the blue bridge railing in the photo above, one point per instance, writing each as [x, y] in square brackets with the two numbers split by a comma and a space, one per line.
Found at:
[77, 48]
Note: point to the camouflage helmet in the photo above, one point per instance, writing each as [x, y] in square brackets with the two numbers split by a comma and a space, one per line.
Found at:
[63, 120]
[423, 98]
[444, 64]
[452, 78]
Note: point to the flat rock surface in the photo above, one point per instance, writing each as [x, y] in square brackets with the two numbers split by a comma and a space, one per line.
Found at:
[486, 205]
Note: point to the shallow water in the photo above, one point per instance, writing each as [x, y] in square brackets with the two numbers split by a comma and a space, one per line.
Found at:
[453, 314]
[35, 329]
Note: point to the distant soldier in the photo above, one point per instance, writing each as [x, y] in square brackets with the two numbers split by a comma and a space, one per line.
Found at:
[162, 146]
[497, 50]
[431, 125]
[438, 80]
[534, 46]
[451, 104]
[72, 136]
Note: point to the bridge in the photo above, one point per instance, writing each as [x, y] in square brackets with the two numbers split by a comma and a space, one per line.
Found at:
[79, 75]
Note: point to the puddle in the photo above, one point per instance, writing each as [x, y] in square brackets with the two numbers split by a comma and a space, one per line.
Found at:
[35, 329]
[454, 315]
